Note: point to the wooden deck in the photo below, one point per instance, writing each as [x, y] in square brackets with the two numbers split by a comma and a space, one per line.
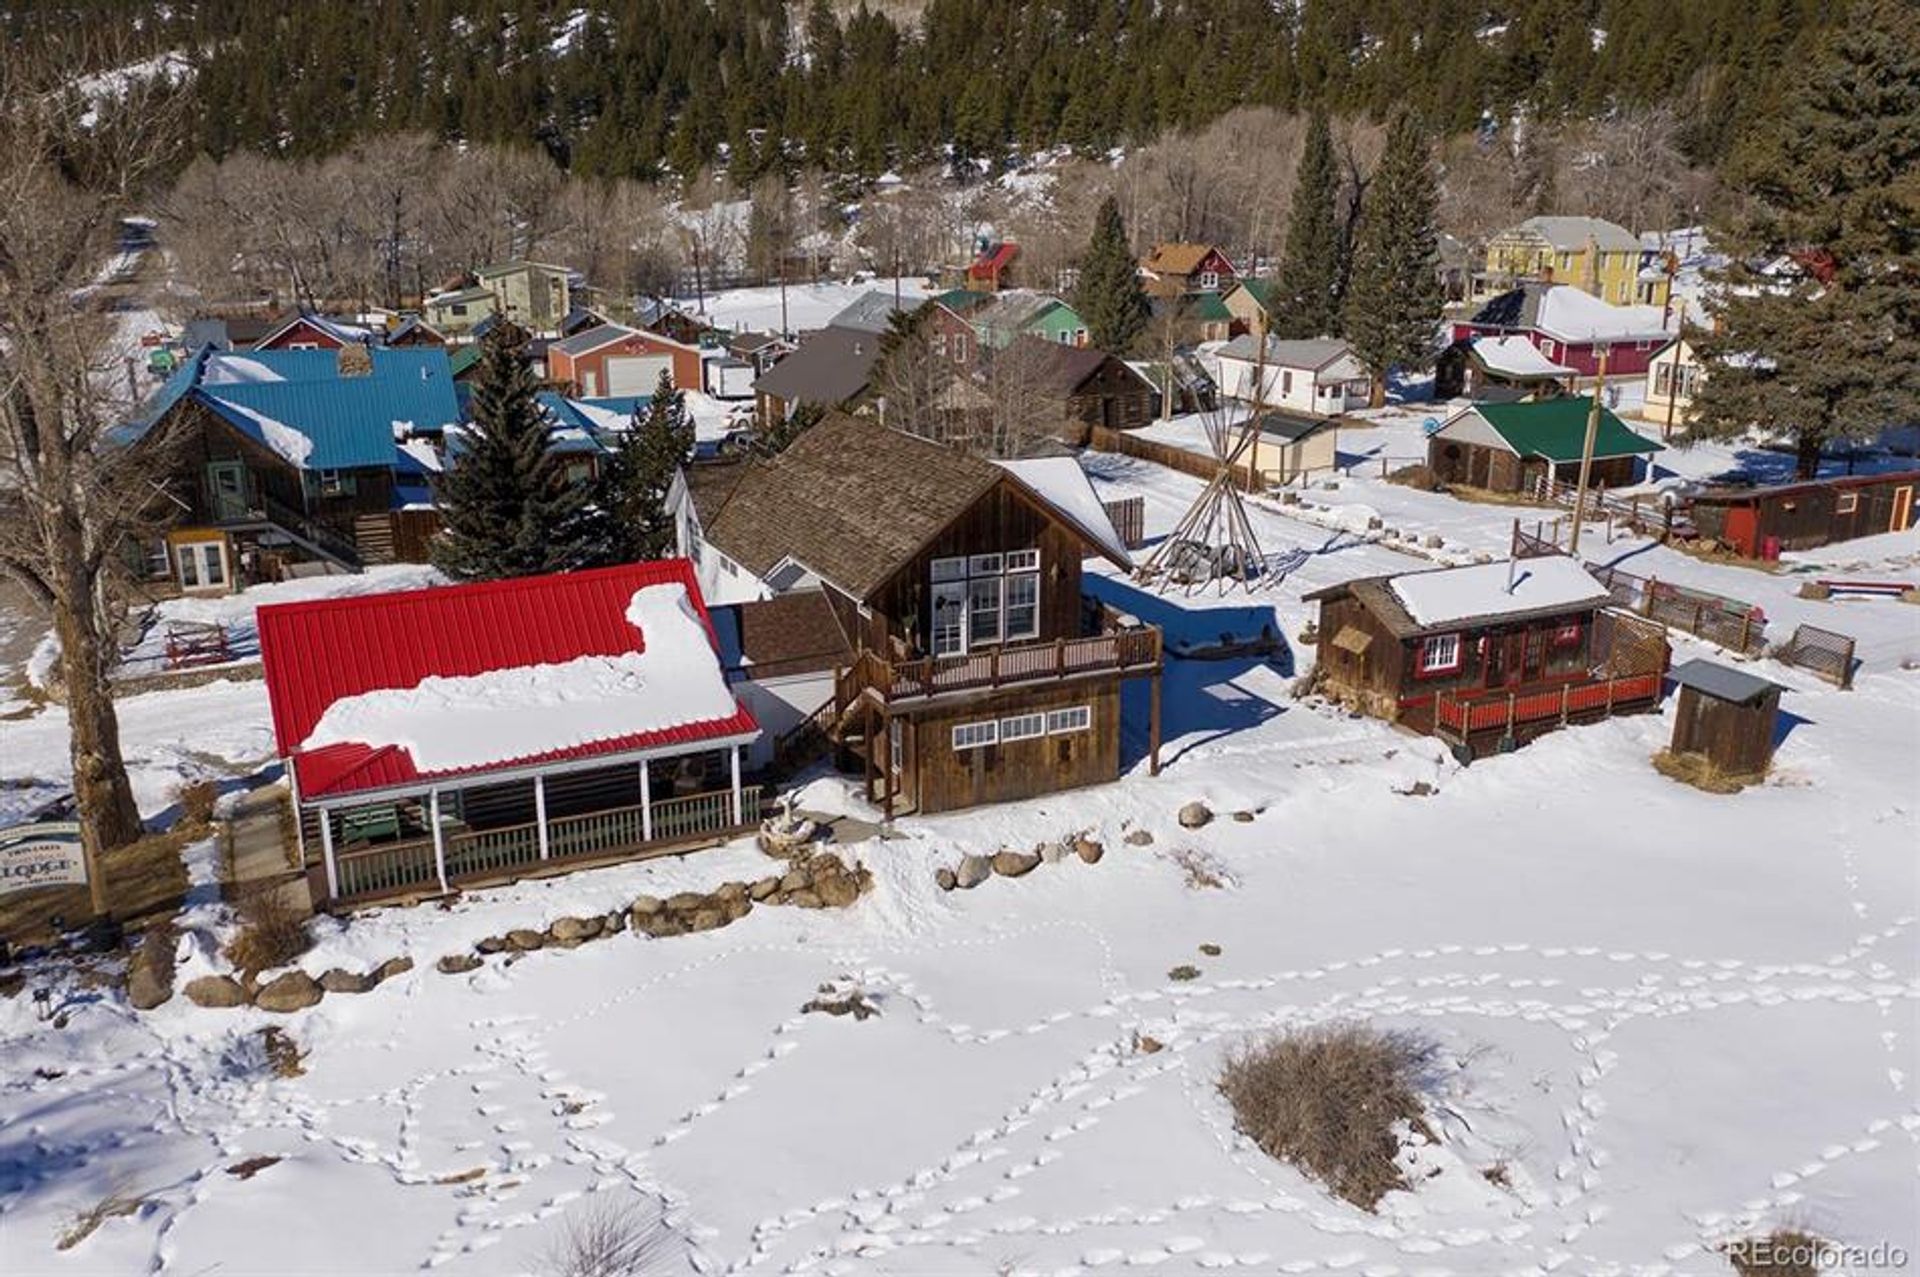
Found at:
[1135, 651]
[1521, 712]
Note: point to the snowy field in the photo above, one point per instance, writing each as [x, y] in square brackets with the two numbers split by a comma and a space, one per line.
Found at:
[1673, 1019]
[809, 306]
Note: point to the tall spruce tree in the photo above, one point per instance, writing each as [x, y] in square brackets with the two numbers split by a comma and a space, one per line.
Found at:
[1305, 296]
[1831, 352]
[506, 505]
[630, 499]
[1394, 299]
[1108, 295]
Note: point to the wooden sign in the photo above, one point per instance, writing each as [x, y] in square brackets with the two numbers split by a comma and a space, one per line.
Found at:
[44, 854]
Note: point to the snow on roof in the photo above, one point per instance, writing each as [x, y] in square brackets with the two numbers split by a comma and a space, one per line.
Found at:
[282, 438]
[1569, 313]
[228, 370]
[1572, 233]
[1062, 484]
[1517, 357]
[464, 722]
[1545, 584]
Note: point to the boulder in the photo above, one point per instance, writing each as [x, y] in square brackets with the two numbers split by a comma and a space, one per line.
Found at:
[661, 924]
[573, 930]
[1053, 853]
[797, 880]
[837, 891]
[730, 891]
[1014, 864]
[972, 871]
[457, 963]
[493, 944]
[1089, 850]
[393, 967]
[763, 888]
[525, 939]
[150, 974]
[1244, 817]
[736, 908]
[805, 898]
[613, 923]
[339, 980]
[944, 879]
[644, 905]
[712, 918]
[215, 991]
[1138, 838]
[1194, 815]
[294, 991]
[686, 902]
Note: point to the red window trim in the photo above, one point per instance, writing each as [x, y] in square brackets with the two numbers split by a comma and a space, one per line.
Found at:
[1420, 667]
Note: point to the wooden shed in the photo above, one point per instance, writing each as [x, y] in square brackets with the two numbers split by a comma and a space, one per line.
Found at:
[1726, 716]
[1760, 522]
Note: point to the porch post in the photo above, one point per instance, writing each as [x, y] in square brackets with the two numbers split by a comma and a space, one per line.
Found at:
[299, 826]
[326, 849]
[540, 813]
[439, 838]
[738, 812]
[646, 804]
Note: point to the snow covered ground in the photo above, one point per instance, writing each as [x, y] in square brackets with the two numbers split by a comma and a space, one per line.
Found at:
[1672, 1018]
[809, 306]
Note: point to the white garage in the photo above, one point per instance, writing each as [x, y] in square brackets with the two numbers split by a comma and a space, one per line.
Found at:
[634, 374]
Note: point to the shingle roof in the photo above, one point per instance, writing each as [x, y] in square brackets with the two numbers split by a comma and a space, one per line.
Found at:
[795, 633]
[1571, 233]
[1556, 429]
[829, 367]
[1177, 258]
[871, 312]
[1310, 352]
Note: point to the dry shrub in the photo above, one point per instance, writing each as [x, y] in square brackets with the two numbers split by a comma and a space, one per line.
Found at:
[1201, 871]
[196, 802]
[1420, 476]
[118, 1202]
[272, 931]
[1702, 773]
[1783, 1253]
[1326, 1099]
[284, 1055]
[605, 1239]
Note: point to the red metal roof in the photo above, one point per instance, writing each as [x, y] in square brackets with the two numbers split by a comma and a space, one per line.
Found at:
[995, 259]
[317, 653]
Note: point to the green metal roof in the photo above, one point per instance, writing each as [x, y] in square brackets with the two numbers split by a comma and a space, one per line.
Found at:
[1556, 429]
[961, 300]
[1261, 290]
[1208, 307]
[462, 358]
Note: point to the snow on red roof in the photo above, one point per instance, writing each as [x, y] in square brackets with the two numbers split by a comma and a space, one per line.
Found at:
[320, 653]
[995, 258]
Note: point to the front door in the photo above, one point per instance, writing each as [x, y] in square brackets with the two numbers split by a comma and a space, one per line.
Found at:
[1902, 509]
[227, 481]
[202, 565]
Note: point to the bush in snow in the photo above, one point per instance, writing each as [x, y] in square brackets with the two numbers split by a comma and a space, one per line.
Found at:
[604, 1239]
[272, 932]
[1328, 1100]
[1784, 1252]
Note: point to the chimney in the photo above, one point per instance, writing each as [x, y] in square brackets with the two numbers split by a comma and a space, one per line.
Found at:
[354, 360]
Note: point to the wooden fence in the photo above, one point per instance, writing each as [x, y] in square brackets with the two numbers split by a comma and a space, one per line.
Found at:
[1129, 518]
[1199, 465]
[1732, 623]
[1824, 652]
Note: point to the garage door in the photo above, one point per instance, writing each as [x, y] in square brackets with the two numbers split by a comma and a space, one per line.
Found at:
[635, 374]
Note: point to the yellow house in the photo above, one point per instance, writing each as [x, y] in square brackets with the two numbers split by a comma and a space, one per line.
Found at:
[1673, 377]
[1595, 256]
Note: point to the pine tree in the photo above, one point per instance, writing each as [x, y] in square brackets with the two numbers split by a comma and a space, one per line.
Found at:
[1304, 297]
[506, 505]
[1394, 298]
[1833, 353]
[630, 499]
[1108, 295]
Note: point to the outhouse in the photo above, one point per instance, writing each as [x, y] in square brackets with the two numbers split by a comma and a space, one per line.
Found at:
[1726, 716]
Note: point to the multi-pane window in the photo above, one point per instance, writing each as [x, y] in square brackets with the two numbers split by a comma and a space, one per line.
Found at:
[1440, 654]
[1023, 727]
[983, 608]
[1077, 719]
[975, 735]
[984, 599]
[1023, 605]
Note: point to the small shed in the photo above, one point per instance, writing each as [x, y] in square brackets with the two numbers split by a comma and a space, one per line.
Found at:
[1726, 716]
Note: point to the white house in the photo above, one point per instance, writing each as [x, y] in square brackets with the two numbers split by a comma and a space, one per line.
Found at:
[1673, 377]
[1320, 377]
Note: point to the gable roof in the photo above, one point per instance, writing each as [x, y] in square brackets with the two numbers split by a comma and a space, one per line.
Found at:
[1062, 484]
[519, 264]
[871, 312]
[1572, 233]
[795, 633]
[1015, 309]
[1261, 290]
[318, 654]
[995, 257]
[593, 339]
[1570, 314]
[1515, 356]
[1311, 353]
[1556, 429]
[341, 331]
[1444, 600]
[828, 367]
[1177, 258]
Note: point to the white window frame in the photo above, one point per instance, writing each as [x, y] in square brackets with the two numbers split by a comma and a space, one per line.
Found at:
[1441, 654]
[975, 735]
[986, 622]
[986, 564]
[1032, 627]
[1846, 502]
[1075, 718]
[954, 569]
[1023, 727]
[1023, 560]
[1209, 280]
[332, 483]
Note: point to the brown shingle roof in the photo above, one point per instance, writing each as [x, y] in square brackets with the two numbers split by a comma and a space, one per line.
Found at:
[1176, 258]
[791, 634]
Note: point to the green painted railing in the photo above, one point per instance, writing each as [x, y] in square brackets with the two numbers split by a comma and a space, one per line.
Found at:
[383, 870]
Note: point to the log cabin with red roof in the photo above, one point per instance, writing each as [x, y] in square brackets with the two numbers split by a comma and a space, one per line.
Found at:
[479, 733]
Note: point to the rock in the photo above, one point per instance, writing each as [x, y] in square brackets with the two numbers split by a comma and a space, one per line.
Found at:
[1815, 590]
[1194, 815]
[525, 939]
[573, 930]
[805, 898]
[661, 924]
[1089, 850]
[1014, 864]
[294, 991]
[763, 888]
[736, 908]
[944, 879]
[730, 891]
[215, 991]
[493, 944]
[644, 905]
[1138, 838]
[457, 963]
[337, 980]
[613, 923]
[797, 880]
[1053, 853]
[150, 974]
[1435, 541]
[972, 871]
[837, 891]
[712, 918]
[686, 902]
[1244, 817]
[392, 967]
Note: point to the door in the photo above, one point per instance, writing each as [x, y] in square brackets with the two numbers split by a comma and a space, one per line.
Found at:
[1507, 657]
[1902, 509]
[949, 632]
[202, 565]
[636, 374]
[227, 482]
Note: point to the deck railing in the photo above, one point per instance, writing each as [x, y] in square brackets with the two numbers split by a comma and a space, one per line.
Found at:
[1122, 650]
[1461, 715]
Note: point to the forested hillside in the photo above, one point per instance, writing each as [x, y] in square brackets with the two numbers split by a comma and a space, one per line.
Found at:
[639, 87]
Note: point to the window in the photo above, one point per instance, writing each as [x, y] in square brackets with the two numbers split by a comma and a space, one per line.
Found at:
[1062, 721]
[1023, 561]
[983, 609]
[332, 483]
[1209, 280]
[975, 735]
[1567, 635]
[896, 746]
[949, 636]
[1023, 727]
[189, 566]
[1549, 349]
[940, 345]
[1440, 654]
[1286, 381]
[949, 569]
[1023, 605]
[458, 308]
[1846, 502]
[1662, 380]
[984, 599]
[985, 565]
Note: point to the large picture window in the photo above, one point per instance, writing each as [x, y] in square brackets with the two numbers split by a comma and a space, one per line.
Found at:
[984, 599]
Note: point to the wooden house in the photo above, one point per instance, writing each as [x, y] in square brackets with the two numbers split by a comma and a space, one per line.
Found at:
[1008, 316]
[1182, 267]
[978, 672]
[1251, 303]
[949, 329]
[1288, 447]
[612, 360]
[305, 330]
[1726, 716]
[285, 461]
[1499, 369]
[829, 369]
[1600, 258]
[574, 720]
[1517, 447]
[1319, 377]
[1572, 328]
[538, 296]
[458, 311]
[1487, 655]
[991, 268]
[1761, 522]
[1673, 376]
[1091, 388]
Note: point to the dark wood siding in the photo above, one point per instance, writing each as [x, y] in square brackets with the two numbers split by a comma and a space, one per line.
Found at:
[949, 779]
[1738, 739]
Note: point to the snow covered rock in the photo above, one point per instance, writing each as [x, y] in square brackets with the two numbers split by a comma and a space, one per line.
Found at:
[945, 879]
[1138, 838]
[837, 891]
[525, 939]
[1053, 853]
[763, 888]
[458, 963]
[393, 967]
[294, 991]
[574, 930]
[972, 871]
[215, 991]
[645, 905]
[1014, 864]
[340, 980]
[1192, 816]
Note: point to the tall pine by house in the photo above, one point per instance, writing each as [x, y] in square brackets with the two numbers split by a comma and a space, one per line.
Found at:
[1831, 351]
[1109, 296]
[1306, 291]
[631, 497]
[1394, 299]
[506, 505]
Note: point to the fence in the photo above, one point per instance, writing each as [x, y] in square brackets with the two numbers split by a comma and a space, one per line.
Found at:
[1732, 623]
[1129, 518]
[1824, 652]
[1199, 465]
[1648, 515]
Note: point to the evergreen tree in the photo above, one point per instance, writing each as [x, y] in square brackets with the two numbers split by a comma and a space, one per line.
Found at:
[1394, 298]
[506, 505]
[630, 499]
[1305, 301]
[1108, 295]
[1834, 352]
[773, 441]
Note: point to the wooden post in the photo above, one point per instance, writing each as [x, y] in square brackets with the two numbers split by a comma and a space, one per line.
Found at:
[1565, 688]
[739, 816]
[439, 839]
[1153, 727]
[1060, 658]
[540, 813]
[1586, 456]
[326, 850]
[1510, 708]
[866, 790]
[299, 825]
[646, 802]
[1746, 630]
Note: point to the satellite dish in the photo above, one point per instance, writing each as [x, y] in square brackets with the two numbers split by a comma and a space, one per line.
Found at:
[1430, 426]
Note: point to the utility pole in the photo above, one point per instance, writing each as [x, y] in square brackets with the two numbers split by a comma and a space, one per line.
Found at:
[1673, 386]
[1586, 456]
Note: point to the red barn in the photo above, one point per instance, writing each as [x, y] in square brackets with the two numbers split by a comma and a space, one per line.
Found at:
[613, 360]
[1572, 328]
[308, 331]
